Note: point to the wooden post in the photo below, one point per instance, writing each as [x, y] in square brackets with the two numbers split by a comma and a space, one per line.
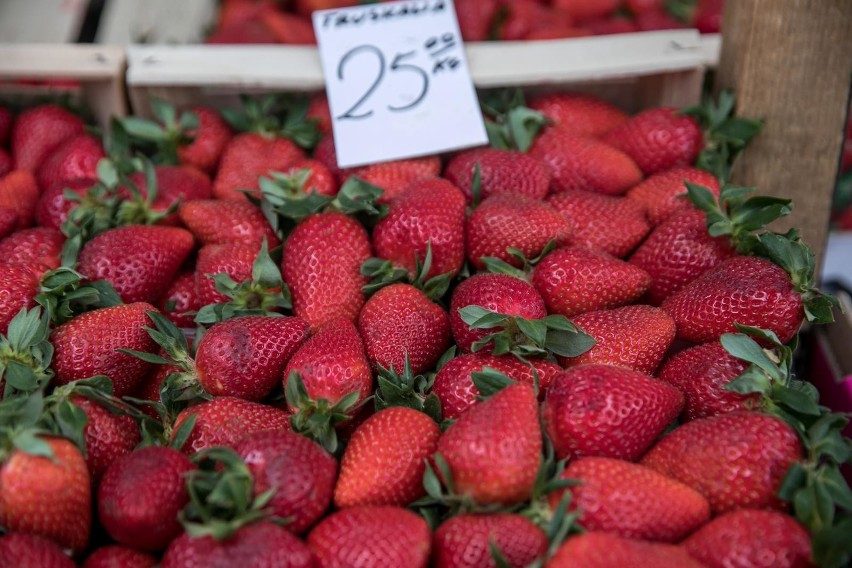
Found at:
[790, 62]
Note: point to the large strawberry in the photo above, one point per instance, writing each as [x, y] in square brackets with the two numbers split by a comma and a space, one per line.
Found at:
[500, 172]
[23, 550]
[76, 158]
[371, 536]
[600, 410]
[605, 550]
[115, 556]
[41, 245]
[249, 156]
[631, 500]
[580, 114]
[40, 130]
[664, 194]
[466, 541]
[216, 222]
[19, 192]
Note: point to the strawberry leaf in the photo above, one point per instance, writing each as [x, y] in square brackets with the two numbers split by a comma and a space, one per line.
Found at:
[407, 390]
[490, 381]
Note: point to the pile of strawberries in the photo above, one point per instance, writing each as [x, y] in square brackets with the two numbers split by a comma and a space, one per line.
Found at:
[570, 349]
[273, 21]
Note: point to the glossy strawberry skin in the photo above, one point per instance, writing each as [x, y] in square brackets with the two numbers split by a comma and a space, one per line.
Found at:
[505, 221]
[397, 177]
[108, 437]
[745, 290]
[605, 411]
[735, 460]
[604, 550]
[50, 498]
[115, 556]
[40, 130]
[632, 501]
[139, 261]
[664, 194]
[249, 156]
[244, 357]
[181, 300]
[580, 114]
[19, 192]
[494, 449]
[141, 495]
[76, 158]
[22, 550]
[86, 346]
[214, 222]
[300, 471]
[39, 245]
[385, 459]
[233, 259]
[20, 285]
[401, 320]
[464, 541]
[501, 172]
[380, 537]
[209, 140]
[52, 208]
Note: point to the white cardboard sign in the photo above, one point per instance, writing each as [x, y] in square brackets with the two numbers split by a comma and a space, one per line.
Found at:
[397, 80]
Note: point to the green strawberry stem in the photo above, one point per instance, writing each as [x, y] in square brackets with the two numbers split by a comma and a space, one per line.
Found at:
[383, 273]
[162, 137]
[318, 418]
[511, 125]
[276, 115]
[407, 390]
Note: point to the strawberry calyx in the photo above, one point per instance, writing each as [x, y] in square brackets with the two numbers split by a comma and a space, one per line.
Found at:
[163, 137]
[276, 115]
[318, 418]
[442, 500]
[64, 294]
[499, 266]
[25, 354]
[384, 273]
[510, 124]
[407, 390]
[490, 381]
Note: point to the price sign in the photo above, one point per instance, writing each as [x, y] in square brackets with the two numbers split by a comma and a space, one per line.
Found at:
[397, 80]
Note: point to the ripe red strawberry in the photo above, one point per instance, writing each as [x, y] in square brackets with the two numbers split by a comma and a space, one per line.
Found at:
[371, 536]
[496, 292]
[288, 28]
[6, 164]
[736, 460]
[141, 495]
[612, 224]
[318, 110]
[743, 289]
[22, 550]
[603, 550]
[181, 300]
[677, 251]
[587, 9]
[658, 139]
[400, 321]
[397, 176]
[108, 436]
[385, 459]
[632, 501]
[636, 337]
[664, 194]
[8, 221]
[428, 213]
[184, 183]
[454, 383]
[501, 172]
[139, 261]
[322, 266]
[244, 357]
[249, 156]
[40, 130]
[52, 207]
[300, 471]
[512, 221]
[575, 279]
[476, 18]
[579, 163]
[262, 544]
[225, 420]
[580, 114]
[76, 158]
[494, 449]
[208, 140]
[48, 497]
[701, 373]
[708, 16]
[19, 192]
[115, 556]
[320, 179]
[606, 411]
[87, 346]
[751, 538]
[39, 245]
[233, 259]
[465, 541]
[215, 222]
[20, 285]
[326, 154]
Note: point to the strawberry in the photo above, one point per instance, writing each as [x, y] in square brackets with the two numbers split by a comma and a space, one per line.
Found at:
[580, 114]
[677, 251]
[175, 184]
[6, 164]
[244, 357]
[744, 290]
[751, 538]
[587, 9]
[76, 158]
[631, 500]
[215, 222]
[6, 121]
[318, 178]
[209, 140]
[476, 18]
[141, 495]
[47, 496]
[457, 392]
[326, 154]
[225, 420]
[664, 194]
[40, 245]
[658, 139]
[500, 172]
[400, 322]
[397, 176]
[181, 300]
[249, 156]
[20, 285]
[114, 556]
[319, 111]
[502, 222]
[22, 550]
[603, 550]
[288, 28]
[322, 266]
[465, 541]
[8, 221]
[735, 460]
[301, 473]
[575, 279]
[636, 337]
[139, 261]
[701, 373]
[52, 208]
[385, 459]
[233, 259]
[708, 16]
[19, 192]
[612, 224]
[108, 434]
[606, 411]
[493, 451]
[38, 131]
[430, 213]
[371, 536]
[88, 345]
[579, 163]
